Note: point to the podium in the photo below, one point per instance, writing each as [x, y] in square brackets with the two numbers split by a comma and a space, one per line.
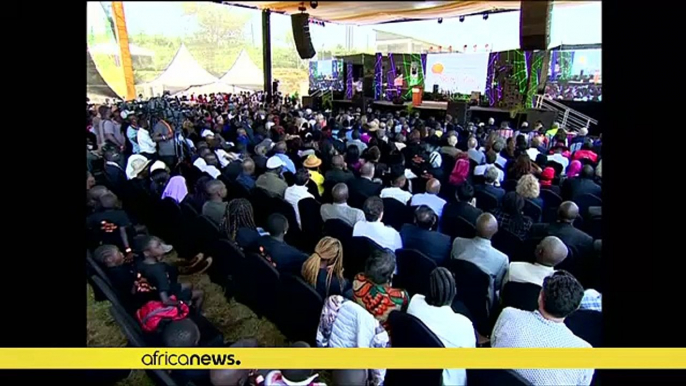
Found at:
[417, 94]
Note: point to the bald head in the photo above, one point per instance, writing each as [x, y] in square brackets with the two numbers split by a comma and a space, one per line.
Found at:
[567, 212]
[280, 147]
[433, 186]
[340, 193]
[486, 226]
[249, 167]
[551, 251]
[472, 143]
[367, 170]
[338, 162]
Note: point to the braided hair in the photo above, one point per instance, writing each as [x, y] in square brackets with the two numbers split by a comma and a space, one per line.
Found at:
[105, 253]
[239, 214]
[330, 250]
[441, 288]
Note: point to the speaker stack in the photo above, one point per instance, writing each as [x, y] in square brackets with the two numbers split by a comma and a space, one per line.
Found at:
[300, 23]
[534, 25]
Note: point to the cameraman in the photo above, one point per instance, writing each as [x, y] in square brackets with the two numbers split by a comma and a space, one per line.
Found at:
[163, 135]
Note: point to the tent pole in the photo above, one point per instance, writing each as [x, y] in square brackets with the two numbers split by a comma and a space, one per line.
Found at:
[267, 53]
[125, 53]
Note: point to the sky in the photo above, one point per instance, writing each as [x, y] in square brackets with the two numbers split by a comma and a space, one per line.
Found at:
[580, 24]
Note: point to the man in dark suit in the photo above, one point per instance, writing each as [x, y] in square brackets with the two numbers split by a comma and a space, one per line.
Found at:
[583, 184]
[362, 187]
[464, 207]
[338, 172]
[419, 236]
[579, 243]
[490, 178]
[286, 259]
[116, 177]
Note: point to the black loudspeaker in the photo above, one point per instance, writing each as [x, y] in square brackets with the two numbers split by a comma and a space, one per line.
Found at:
[435, 89]
[547, 117]
[300, 22]
[534, 24]
[458, 109]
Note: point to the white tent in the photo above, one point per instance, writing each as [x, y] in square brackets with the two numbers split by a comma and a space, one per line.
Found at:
[244, 74]
[183, 72]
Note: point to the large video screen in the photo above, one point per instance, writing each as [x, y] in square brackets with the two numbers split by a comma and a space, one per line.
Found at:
[326, 75]
[575, 75]
[457, 73]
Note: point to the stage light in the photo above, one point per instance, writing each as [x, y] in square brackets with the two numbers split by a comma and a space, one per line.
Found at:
[461, 19]
[440, 20]
[314, 4]
[485, 16]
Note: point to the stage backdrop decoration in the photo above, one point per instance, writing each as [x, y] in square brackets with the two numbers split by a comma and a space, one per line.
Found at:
[457, 73]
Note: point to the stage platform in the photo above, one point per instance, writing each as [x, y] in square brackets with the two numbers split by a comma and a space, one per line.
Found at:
[440, 106]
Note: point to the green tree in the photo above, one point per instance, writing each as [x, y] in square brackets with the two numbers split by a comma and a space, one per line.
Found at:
[218, 25]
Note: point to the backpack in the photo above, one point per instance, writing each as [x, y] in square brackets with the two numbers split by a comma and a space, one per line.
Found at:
[154, 312]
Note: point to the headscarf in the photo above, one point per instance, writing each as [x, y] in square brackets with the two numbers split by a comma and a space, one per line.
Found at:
[460, 171]
[574, 169]
[547, 176]
[176, 188]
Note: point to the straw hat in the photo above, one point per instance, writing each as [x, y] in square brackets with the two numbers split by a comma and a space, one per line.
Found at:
[136, 166]
[312, 161]
[373, 126]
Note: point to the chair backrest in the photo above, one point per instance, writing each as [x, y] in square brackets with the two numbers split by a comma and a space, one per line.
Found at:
[459, 227]
[495, 377]
[523, 296]
[473, 288]
[509, 244]
[294, 235]
[311, 221]
[531, 209]
[355, 258]
[258, 283]
[414, 269]
[587, 325]
[97, 269]
[509, 185]
[304, 305]
[135, 338]
[338, 229]
[261, 201]
[585, 201]
[188, 212]
[112, 297]
[485, 201]
[409, 332]
[205, 232]
[396, 213]
[550, 198]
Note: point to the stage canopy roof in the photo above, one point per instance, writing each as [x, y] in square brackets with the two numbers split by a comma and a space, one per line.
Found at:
[183, 72]
[97, 88]
[376, 12]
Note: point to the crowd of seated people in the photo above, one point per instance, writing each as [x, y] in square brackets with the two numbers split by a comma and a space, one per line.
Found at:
[517, 204]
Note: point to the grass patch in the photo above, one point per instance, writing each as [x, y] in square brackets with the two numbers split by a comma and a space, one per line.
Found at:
[234, 320]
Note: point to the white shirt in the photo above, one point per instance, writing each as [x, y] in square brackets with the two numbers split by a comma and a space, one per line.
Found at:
[454, 331]
[529, 329]
[145, 142]
[532, 152]
[383, 235]
[431, 200]
[293, 195]
[481, 169]
[559, 158]
[523, 272]
[502, 161]
[221, 156]
[401, 195]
